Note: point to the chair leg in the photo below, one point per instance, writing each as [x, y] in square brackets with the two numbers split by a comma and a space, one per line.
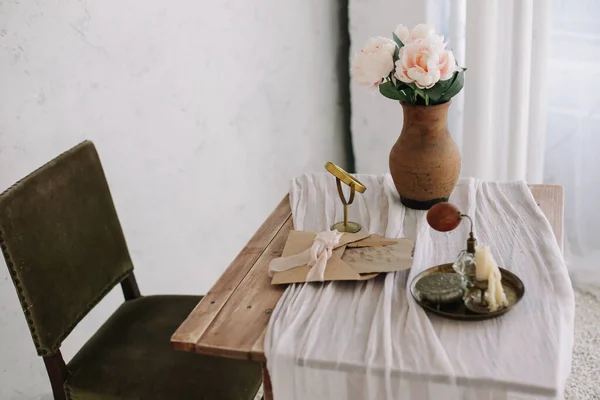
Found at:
[130, 287]
[268, 389]
[57, 372]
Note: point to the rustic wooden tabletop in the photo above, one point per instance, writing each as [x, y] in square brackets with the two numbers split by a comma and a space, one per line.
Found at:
[231, 320]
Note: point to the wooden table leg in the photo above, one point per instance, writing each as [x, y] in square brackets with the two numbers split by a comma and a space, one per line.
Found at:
[267, 388]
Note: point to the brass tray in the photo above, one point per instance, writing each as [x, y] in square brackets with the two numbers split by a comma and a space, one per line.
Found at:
[513, 287]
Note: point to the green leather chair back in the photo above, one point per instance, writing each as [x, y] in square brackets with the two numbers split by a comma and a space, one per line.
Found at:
[63, 243]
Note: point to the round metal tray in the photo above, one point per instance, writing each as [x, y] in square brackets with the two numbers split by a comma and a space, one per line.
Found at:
[513, 288]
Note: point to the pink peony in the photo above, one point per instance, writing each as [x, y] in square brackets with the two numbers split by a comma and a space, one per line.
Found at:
[425, 61]
[447, 65]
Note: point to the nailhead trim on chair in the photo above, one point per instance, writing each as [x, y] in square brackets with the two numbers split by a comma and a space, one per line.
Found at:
[13, 273]
[24, 306]
[40, 351]
[67, 391]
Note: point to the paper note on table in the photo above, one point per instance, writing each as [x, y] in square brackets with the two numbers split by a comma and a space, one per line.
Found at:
[390, 258]
[357, 257]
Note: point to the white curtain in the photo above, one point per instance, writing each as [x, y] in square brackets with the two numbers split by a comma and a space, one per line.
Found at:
[572, 156]
[530, 109]
[500, 124]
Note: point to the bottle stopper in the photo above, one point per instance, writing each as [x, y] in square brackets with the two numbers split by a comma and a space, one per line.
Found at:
[444, 217]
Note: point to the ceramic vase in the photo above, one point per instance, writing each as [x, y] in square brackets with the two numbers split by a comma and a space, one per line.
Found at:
[425, 161]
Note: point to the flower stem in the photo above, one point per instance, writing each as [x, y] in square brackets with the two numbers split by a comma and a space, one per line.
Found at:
[424, 96]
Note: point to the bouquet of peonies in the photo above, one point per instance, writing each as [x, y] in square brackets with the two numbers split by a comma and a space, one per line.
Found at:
[415, 67]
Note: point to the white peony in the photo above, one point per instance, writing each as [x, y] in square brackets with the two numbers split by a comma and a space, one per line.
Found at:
[421, 31]
[374, 62]
[403, 33]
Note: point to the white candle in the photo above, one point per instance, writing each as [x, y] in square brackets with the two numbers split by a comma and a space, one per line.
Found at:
[482, 263]
[487, 269]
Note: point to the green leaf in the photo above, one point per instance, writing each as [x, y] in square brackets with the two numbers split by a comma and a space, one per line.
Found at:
[421, 92]
[457, 84]
[443, 91]
[438, 90]
[399, 44]
[401, 85]
[405, 97]
[389, 90]
[398, 41]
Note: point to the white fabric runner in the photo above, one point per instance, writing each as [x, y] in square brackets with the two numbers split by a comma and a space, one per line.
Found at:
[371, 341]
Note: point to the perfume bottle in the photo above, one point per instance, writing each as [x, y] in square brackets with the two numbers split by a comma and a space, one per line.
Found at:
[465, 268]
[465, 262]
[445, 217]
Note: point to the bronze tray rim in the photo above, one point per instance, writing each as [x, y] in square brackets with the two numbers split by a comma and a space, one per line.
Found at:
[508, 278]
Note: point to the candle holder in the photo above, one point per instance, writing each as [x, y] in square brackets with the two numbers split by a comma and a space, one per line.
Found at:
[474, 297]
[355, 186]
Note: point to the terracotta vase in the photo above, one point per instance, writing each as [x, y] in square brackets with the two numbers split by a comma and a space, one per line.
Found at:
[425, 161]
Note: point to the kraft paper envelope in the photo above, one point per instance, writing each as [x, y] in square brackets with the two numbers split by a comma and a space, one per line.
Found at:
[359, 256]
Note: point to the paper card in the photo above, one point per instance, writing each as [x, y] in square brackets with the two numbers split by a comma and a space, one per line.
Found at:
[387, 258]
[359, 256]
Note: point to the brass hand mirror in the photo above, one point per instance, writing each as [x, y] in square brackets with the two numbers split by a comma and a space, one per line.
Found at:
[355, 186]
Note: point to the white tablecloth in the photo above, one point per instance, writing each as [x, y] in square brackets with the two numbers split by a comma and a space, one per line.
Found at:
[370, 340]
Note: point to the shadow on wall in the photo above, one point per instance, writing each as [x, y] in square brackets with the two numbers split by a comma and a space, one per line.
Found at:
[343, 68]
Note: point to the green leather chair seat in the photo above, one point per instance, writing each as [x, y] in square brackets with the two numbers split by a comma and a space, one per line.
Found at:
[130, 357]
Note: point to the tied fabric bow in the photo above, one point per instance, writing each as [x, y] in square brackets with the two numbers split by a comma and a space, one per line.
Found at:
[315, 257]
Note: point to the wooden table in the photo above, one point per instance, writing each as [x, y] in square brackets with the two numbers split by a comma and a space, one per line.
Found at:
[231, 320]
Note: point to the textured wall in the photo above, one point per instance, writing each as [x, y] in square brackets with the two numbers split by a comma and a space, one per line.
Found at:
[201, 111]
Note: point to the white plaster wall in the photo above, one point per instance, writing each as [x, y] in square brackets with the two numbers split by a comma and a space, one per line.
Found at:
[201, 111]
[376, 121]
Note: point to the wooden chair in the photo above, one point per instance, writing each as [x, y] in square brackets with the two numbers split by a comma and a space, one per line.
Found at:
[64, 247]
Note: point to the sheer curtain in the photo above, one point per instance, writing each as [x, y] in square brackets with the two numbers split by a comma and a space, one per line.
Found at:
[530, 109]
[572, 151]
[500, 121]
